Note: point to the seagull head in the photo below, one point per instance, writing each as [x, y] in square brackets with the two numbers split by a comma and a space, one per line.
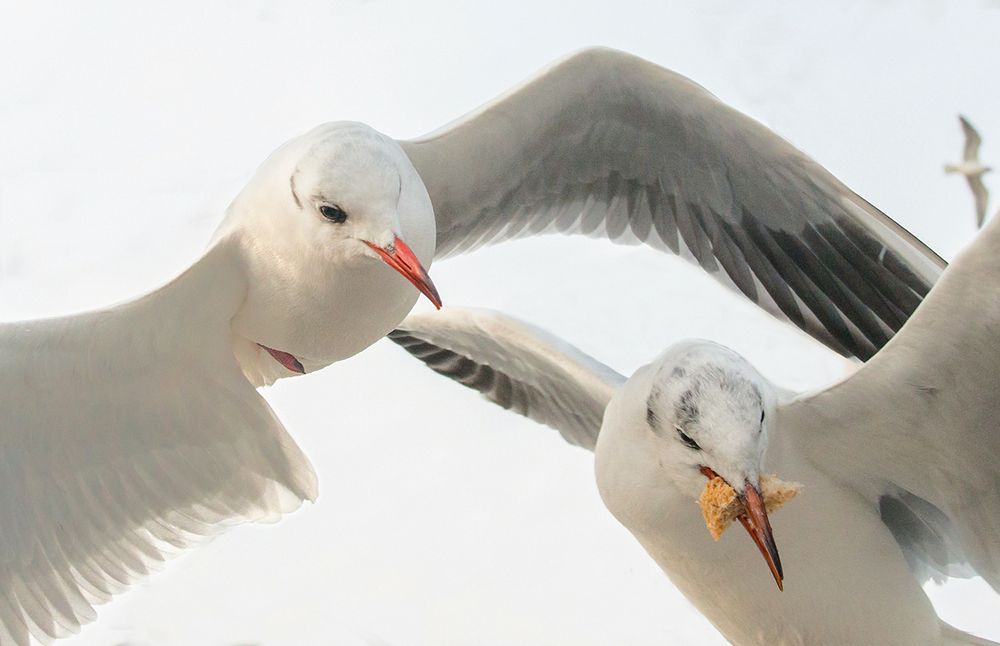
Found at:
[332, 229]
[345, 193]
[707, 408]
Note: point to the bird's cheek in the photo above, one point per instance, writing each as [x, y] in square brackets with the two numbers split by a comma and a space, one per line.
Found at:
[347, 248]
[380, 236]
[359, 248]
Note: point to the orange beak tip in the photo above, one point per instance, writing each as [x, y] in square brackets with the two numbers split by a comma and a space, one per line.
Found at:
[756, 523]
[400, 257]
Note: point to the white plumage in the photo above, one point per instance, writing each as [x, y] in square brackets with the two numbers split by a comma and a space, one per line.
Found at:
[899, 462]
[134, 431]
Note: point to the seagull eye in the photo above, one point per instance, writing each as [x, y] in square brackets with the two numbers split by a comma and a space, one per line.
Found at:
[691, 444]
[761, 417]
[333, 213]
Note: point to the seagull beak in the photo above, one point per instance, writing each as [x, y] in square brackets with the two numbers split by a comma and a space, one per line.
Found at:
[757, 525]
[398, 255]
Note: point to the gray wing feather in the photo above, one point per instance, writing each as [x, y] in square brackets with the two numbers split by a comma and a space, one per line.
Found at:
[516, 366]
[608, 145]
[915, 429]
[926, 535]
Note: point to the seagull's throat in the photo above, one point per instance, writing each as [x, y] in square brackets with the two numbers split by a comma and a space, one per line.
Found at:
[287, 360]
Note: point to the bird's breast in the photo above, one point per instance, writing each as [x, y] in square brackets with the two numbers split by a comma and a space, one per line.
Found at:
[840, 562]
[330, 317]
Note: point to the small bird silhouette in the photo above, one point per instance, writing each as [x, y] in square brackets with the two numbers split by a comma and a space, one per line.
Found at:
[973, 169]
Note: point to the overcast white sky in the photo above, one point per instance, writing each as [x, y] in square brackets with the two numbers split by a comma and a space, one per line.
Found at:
[125, 131]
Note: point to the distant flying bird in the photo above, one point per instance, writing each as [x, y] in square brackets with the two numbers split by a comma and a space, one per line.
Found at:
[973, 169]
[133, 431]
[899, 463]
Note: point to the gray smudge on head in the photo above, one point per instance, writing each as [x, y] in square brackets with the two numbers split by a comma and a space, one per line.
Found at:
[295, 196]
[651, 417]
[686, 412]
[698, 385]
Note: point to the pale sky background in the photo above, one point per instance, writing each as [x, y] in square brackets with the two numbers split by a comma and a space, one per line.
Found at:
[126, 129]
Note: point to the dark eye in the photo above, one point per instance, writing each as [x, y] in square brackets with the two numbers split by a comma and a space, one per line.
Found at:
[333, 213]
[687, 440]
[761, 417]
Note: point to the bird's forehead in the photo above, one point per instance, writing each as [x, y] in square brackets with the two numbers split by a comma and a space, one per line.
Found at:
[350, 158]
[701, 392]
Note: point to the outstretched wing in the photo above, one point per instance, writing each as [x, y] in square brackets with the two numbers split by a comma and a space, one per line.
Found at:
[516, 366]
[972, 140]
[981, 196]
[915, 429]
[109, 464]
[609, 145]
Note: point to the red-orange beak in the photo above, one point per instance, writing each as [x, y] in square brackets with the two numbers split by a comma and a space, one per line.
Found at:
[759, 527]
[398, 255]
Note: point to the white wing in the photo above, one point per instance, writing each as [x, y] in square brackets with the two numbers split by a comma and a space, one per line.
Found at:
[916, 429]
[972, 140]
[117, 449]
[981, 196]
[607, 144]
[515, 365]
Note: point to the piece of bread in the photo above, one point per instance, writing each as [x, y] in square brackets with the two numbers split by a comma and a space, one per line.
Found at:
[720, 506]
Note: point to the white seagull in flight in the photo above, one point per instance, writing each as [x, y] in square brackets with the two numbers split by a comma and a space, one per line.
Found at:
[900, 462]
[972, 169]
[134, 431]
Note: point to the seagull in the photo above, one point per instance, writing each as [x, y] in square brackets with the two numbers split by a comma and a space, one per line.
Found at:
[135, 431]
[973, 169]
[899, 462]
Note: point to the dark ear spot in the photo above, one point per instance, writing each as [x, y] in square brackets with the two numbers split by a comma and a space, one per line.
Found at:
[687, 410]
[291, 182]
[651, 417]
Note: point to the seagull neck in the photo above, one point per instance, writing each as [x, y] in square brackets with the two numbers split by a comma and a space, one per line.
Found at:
[190, 316]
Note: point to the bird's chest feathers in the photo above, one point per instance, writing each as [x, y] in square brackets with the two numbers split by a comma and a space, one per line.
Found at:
[322, 317]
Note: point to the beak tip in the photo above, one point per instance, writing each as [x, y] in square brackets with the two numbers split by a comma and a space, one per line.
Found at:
[400, 257]
[756, 523]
